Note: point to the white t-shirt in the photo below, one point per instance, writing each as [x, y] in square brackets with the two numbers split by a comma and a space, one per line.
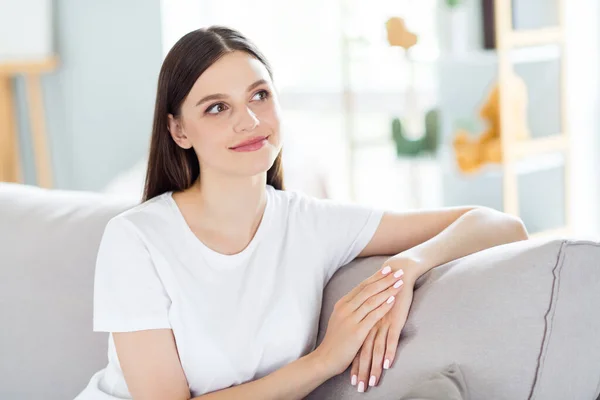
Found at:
[235, 318]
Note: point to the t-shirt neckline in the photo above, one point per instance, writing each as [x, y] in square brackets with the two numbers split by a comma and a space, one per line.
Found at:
[212, 257]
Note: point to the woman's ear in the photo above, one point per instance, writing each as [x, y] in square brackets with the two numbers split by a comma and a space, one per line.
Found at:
[176, 130]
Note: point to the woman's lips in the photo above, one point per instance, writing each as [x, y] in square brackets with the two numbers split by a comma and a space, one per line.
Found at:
[253, 145]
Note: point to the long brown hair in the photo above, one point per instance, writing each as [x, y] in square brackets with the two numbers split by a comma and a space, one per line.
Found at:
[171, 167]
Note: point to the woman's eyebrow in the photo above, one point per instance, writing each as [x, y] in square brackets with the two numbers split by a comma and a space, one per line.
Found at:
[255, 84]
[220, 96]
[216, 96]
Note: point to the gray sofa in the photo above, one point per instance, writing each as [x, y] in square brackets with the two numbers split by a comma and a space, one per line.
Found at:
[520, 321]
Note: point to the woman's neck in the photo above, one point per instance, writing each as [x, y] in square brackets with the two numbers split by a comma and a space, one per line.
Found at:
[229, 206]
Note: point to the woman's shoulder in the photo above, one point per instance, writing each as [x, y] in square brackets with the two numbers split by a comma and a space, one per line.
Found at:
[293, 196]
[301, 206]
[291, 201]
[152, 212]
[302, 200]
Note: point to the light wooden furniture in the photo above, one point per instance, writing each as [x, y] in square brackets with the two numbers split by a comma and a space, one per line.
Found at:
[10, 163]
[507, 40]
[361, 101]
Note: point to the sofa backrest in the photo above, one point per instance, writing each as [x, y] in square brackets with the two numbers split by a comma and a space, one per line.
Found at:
[48, 245]
[518, 321]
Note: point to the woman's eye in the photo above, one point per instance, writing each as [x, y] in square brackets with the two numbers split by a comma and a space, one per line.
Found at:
[262, 95]
[216, 108]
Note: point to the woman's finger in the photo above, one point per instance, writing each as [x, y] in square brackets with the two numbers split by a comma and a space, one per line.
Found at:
[375, 316]
[380, 274]
[375, 301]
[393, 338]
[374, 288]
[395, 330]
[378, 354]
[354, 370]
[364, 360]
[391, 345]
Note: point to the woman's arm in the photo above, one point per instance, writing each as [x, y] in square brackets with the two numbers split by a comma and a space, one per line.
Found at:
[438, 236]
[152, 370]
[474, 231]
[293, 381]
[158, 374]
[419, 241]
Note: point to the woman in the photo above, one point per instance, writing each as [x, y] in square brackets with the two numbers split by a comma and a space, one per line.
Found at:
[212, 286]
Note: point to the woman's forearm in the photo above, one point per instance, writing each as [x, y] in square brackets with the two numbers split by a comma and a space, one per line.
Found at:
[476, 230]
[293, 381]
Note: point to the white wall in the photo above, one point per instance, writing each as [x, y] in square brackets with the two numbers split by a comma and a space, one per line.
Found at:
[99, 102]
[461, 94]
[583, 18]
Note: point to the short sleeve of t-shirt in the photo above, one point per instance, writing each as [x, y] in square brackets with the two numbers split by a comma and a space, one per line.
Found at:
[128, 293]
[344, 229]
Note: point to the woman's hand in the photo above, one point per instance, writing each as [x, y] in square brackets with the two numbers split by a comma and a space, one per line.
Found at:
[353, 317]
[379, 349]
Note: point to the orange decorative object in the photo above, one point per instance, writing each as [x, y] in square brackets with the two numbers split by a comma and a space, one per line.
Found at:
[472, 153]
[398, 34]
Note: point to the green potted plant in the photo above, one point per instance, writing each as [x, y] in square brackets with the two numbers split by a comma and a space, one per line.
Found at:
[428, 143]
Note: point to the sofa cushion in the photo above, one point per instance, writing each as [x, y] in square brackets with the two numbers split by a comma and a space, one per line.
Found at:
[48, 241]
[520, 320]
[448, 384]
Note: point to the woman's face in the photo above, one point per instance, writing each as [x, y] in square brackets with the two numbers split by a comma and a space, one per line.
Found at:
[231, 117]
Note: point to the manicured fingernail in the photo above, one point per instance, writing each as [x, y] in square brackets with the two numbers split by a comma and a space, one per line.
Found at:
[386, 270]
[372, 381]
[398, 284]
[353, 380]
[361, 387]
[386, 364]
[398, 273]
[390, 299]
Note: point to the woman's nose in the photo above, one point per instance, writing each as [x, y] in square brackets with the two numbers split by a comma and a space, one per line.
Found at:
[247, 122]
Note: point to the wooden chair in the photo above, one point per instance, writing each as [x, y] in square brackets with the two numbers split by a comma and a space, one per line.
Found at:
[10, 162]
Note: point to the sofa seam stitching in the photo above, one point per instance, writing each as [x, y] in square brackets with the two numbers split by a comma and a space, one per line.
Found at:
[549, 319]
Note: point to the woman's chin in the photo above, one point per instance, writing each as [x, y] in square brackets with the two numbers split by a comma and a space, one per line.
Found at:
[252, 163]
[253, 167]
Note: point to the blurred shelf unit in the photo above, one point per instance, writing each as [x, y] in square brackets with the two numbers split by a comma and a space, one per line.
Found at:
[538, 56]
[509, 39]
[525, 183]
[379, 93]
[375, 142]
[362, 101]
[529, 165]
